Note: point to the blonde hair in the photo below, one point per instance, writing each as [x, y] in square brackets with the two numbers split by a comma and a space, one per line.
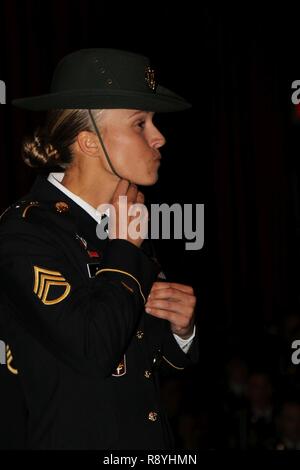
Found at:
[51, 144]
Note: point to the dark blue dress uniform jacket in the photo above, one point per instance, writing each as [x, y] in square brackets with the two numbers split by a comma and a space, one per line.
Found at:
[85, 353]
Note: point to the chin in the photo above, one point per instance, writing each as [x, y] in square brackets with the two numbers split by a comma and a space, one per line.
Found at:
[150, 181]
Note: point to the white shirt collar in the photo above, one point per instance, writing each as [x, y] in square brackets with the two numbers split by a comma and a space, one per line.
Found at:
[56, 178]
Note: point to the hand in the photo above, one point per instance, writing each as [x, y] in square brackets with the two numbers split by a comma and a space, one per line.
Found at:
[134, 196]
[175, 303]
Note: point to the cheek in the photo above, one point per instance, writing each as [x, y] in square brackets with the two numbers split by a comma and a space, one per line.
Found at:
[131, 154]
[132, 157]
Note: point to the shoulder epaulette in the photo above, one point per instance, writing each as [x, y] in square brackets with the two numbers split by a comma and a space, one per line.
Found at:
[24, 209]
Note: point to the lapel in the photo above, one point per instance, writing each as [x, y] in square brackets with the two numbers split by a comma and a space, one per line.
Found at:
[83, 224]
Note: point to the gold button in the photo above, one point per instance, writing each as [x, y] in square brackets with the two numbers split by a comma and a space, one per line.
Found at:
[61, 207]
[140, 334]
[147, 374]
[152, 416]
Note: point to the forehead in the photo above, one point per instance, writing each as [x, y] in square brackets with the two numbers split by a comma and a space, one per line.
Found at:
[127, 113]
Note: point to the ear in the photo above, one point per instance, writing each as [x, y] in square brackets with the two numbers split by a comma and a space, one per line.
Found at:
[88, 143]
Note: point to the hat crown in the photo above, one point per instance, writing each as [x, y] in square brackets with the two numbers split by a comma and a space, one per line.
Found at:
[105, 79]
[112, 69]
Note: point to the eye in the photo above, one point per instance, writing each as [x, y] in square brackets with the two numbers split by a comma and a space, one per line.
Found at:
[141, 123]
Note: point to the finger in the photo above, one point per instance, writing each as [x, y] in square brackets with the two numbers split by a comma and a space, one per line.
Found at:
[132, 193]
[160, 285]
[170, 306]
[174, 305]
[178, 322]
[182, 287]
[165, 314]
[121, 189]
[184, 309]
[168, 294]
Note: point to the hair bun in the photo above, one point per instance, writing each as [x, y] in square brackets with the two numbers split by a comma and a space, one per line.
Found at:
[39, 152]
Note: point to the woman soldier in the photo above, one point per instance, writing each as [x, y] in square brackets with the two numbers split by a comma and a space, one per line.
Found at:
[85, 334]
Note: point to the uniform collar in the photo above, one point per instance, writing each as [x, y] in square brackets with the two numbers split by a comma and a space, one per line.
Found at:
[46, 192]
[56, 178]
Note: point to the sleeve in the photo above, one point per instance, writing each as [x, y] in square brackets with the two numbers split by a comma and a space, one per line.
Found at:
[174, 352]
[185, 344]
[174, 356]
[86, 321]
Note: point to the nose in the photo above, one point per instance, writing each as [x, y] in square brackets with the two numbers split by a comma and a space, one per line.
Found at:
[157, 140]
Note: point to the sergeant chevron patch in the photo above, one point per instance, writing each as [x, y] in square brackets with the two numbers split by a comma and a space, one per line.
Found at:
[50, 286]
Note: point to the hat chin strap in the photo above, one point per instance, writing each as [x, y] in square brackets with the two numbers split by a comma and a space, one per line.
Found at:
[102, 145]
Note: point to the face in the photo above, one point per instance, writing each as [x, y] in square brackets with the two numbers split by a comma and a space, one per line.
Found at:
[133, 144]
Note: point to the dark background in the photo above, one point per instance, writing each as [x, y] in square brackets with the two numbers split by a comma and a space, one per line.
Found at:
[236, 151]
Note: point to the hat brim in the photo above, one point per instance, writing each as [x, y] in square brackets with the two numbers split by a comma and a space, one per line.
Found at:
[163, 100]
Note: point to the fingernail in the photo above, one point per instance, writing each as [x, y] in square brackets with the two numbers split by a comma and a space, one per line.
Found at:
[148, 310]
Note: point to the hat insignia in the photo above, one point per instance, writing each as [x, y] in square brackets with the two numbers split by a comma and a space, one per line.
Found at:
[150, 77]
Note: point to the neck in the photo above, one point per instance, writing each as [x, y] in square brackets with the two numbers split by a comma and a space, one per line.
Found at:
[94, 187]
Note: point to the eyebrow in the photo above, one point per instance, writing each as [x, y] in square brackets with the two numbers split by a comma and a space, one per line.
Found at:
[139, 112]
